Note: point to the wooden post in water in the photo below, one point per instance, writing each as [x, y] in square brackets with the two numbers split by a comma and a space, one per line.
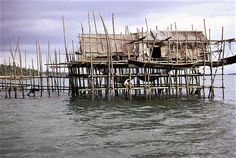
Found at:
[108, 61]
[21, 80]
[186, 82]
[222, 58]
[176, 83]
[211, 91]
[91, 81]
[47, 61]
[33, 75]
[57, 75]
[40, 69]
[26, 81]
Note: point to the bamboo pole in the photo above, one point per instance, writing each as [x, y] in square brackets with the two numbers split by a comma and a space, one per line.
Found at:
[148, 82]
[186, 82]
[113, 26]
[26, 81]
[95, 27]
[11, 73]
[90, 50]
[219, 58]
[83, 43]
[204, 69]
[204, 23]
[176, 83]
[92, 78]
[143, 47]
[57, 74]
[21, 72]
[211, 91]
[108, 60]
[177, 43]
[96, 31]
[222, 70]
[47, 61]
[52, 72]
[64, 33]
[60, 74]
[33, 75]
[41, 68]
[129, 89]
[13, 67]
[145, 83]
[146, 25]
[6, 82]
[73, 50]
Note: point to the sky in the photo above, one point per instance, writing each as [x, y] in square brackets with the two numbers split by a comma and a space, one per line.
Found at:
[32, 20]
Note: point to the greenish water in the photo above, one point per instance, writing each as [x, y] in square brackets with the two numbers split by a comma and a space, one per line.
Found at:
[75, 127]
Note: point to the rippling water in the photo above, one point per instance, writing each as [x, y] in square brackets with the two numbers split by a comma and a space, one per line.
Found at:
[75, 127]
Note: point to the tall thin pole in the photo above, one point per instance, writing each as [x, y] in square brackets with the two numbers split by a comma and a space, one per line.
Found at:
[177, 43]
[211, 91]
[96, 31]
[223, 54]
[47, 61]
[41, 68]
[204, 23]
[64, 33]
[114, 34]
[108, 59]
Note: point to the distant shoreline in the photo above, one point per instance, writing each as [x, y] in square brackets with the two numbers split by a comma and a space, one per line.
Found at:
[231, 74]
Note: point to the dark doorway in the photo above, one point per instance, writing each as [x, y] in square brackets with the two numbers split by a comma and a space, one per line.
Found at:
[156, 52]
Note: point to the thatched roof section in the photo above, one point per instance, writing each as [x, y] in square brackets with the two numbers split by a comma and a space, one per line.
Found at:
[180, 35]
[121, 44]
[92, 43]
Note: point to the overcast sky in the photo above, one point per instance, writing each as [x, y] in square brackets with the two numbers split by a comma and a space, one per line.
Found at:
[41, 19]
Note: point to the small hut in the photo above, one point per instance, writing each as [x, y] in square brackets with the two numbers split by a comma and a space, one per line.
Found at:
[181, 46]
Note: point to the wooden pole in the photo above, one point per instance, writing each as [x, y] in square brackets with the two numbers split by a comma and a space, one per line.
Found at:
[33, 74]
[57, 74]
[186, 82]
[64, 33]
[204, 68]
[143, 47]
[47, 61]
[108, 60]
[204, 23]
[41, 69]
[90, 49]
[26, 81]
[176, 83]
[211, 91]
[96, 31]
[177, 43]
[21, 81]
[113, 26]
[73, 50]
[223, 54]
[83, 41]
[146, 25]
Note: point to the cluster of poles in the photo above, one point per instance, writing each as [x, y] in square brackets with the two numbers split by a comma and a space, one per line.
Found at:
[108, 78]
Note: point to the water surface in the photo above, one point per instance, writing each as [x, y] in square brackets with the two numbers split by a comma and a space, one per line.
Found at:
[74, 127]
